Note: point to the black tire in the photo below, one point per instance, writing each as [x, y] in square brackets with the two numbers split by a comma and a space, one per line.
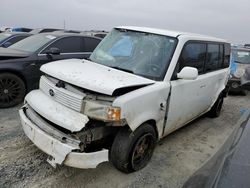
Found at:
[12, 90]
[216, 109]
[131, 151]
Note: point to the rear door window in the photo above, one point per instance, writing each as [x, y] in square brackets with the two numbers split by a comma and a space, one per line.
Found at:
[90, 44]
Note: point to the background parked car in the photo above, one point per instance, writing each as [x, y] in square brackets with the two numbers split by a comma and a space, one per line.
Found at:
[240, 60]
[95, 33]
[9, 38]
[19, 29]
[20, 63]
[44, 30]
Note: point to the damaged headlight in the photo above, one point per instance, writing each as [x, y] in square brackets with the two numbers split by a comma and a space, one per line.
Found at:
[100, 111]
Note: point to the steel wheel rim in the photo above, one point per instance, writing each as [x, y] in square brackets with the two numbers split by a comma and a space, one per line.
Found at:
[10, 90]
[142, 151]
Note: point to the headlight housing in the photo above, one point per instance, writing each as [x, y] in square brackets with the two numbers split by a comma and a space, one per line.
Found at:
[101, 111]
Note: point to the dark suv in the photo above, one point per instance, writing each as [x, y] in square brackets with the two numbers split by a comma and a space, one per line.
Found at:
[20, 63]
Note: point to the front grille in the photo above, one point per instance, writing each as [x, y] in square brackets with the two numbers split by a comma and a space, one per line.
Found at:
[61, 95]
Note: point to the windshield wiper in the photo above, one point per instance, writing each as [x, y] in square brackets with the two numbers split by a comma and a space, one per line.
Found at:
[122, 69]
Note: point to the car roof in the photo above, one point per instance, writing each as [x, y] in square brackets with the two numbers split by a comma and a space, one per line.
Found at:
[240, 48]
[170, 33]
[17, 33]
[61, 34]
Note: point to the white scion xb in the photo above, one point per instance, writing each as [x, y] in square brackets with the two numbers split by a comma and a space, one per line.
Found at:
[139, 85]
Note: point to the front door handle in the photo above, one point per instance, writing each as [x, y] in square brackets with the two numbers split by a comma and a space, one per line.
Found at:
[202, 86]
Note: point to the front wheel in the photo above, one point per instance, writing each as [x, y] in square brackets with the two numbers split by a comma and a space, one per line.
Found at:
[131, 151]
[12, 90]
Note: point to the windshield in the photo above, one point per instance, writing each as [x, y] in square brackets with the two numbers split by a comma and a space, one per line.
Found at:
[4, 36]
[140, 53]
[241, 56]
[32, 43]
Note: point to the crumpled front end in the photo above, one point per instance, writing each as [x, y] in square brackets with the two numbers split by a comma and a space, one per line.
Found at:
[61, 148]
[55, 126]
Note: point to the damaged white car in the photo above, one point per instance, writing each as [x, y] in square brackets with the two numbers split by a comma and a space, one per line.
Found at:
[139, 85]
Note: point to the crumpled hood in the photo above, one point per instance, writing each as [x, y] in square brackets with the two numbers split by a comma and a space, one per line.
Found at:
[93, 76]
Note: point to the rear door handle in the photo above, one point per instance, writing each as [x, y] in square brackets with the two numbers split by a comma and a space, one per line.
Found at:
[202, 86]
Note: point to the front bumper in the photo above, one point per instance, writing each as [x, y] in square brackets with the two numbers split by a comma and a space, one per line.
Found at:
[60, 152]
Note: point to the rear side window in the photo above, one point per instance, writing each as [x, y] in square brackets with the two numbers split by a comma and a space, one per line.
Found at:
[91, 43]
[68, 45]
[226, 56]
[214, 57]
[193, 55]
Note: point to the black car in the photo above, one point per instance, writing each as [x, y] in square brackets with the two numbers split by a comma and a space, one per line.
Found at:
[20, 63]
[230, 166]
[9, 38]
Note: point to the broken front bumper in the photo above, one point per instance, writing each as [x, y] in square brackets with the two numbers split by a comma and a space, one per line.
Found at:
[59, 151]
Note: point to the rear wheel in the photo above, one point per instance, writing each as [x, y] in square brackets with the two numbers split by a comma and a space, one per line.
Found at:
[12, 90]
[131, 151]
[216, 109]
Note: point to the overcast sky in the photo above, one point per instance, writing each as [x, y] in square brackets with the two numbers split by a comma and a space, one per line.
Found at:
[229, 19]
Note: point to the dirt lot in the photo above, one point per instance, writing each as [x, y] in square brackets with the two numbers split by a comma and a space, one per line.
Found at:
[175, 158]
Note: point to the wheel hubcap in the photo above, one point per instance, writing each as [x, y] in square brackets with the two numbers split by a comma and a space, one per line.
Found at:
[235, 85]
[6, 91]
[9, 90]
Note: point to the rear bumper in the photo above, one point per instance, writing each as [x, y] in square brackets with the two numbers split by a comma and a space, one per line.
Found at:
[59, 152]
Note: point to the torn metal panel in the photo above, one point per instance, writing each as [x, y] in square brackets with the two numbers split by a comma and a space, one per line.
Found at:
[86, 160]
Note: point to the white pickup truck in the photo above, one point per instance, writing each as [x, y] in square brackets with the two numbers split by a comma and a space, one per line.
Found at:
[139, 85]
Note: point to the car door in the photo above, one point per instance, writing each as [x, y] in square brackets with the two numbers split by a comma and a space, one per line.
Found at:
[188, 98]
[215, 71]
[69, 47]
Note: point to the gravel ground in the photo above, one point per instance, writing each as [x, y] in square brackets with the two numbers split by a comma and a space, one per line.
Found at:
[175, 159]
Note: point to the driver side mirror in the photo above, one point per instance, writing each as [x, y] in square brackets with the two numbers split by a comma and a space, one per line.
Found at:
[53, 51]
[188, 73]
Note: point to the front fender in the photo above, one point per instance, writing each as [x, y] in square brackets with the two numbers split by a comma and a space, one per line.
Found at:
[147, 103]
